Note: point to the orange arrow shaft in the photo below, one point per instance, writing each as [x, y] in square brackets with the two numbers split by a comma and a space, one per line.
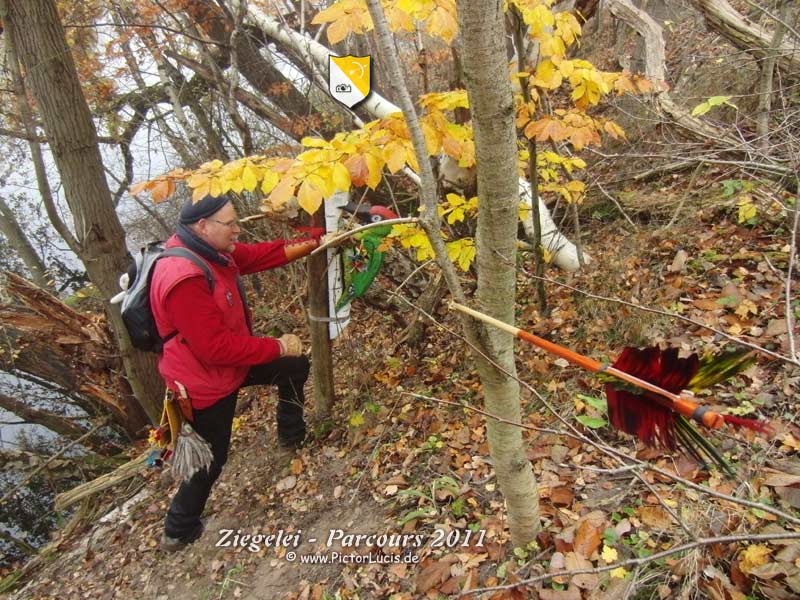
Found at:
[680, 404]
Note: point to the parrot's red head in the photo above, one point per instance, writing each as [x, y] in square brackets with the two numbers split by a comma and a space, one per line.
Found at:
[381, 213]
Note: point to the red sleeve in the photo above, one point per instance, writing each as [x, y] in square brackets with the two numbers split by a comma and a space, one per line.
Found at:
[252, 258]
[201, 326]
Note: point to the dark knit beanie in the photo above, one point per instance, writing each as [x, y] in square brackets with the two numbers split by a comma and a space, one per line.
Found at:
[192, 212]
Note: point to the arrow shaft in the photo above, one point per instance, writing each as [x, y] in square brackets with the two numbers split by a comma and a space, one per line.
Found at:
[685, 406]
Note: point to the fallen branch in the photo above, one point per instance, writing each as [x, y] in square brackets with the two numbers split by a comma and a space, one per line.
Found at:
[115, 477]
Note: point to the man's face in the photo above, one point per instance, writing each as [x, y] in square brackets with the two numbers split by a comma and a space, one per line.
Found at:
[220, 230]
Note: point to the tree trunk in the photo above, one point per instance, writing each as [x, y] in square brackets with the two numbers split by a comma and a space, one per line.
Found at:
[491, 103]
[756, 40]
[19, 241]
[42, 337]
[765, 83]
[38, 37]
[55, 423]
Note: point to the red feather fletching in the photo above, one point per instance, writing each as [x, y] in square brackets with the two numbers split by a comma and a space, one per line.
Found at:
[642, 414]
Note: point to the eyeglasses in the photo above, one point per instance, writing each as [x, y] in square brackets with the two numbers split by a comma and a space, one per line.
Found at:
[229, 224]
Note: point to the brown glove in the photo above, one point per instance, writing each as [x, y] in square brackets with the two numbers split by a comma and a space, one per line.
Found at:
[290, 345]
[295, 249]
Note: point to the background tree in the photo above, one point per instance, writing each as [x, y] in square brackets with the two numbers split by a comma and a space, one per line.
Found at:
[35, 31]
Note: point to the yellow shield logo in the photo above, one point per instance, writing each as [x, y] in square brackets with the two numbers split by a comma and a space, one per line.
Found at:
[349, 78]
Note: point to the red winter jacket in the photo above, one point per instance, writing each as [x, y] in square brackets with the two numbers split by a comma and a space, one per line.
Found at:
[213, 349]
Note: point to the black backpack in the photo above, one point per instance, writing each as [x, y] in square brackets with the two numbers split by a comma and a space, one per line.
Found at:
[136, 312]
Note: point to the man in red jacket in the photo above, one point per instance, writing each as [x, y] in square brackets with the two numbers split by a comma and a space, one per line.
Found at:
[211, 351]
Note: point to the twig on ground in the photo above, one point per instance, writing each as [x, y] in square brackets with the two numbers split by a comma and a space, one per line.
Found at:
[758, 537]
[666, 313]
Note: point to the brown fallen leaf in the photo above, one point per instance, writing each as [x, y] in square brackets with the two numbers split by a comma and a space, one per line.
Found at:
[586, 581]
[781, 479]
[434, 574]
[589, 534]
[790, 495]
[296, 466]
[707, 304]
[655, 516]
[562, 496]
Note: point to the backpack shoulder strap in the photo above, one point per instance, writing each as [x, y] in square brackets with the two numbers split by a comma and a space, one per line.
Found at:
[188, 254]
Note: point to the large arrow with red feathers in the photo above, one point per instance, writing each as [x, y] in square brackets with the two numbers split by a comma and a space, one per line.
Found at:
[649, 391]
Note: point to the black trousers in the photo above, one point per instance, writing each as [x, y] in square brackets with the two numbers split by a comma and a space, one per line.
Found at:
[214, 424]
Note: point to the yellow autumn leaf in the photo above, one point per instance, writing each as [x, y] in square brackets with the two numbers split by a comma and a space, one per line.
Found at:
[309, 197]
[374, 168]
[619, 573]
[215, 189]
[314, 142]
[321, 180]
[553, 46]
[609, 554]
[614, 130]
[231, 183]
[202, 190]
[270, 181]
[754, 556]
[395, 156]
[540, 19]
[567, 27]
[746, 308]
[425, 252]
[547, 75]
[356, 419]
[442, 24]
[194, 181]
[341, 177]
[747, 210]
[524, 211]
[249, 178]
[281, 193]
[790, 442]
[237, 423]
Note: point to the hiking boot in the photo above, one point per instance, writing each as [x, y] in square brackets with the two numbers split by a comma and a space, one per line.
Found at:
[294, 444]
[175, 544]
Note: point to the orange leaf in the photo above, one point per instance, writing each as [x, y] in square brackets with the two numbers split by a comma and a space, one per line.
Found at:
[656, 517]
[545, 129]
[583, 136]
[359, 172]
[138, 188]
[162, 190]
[587, 538]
